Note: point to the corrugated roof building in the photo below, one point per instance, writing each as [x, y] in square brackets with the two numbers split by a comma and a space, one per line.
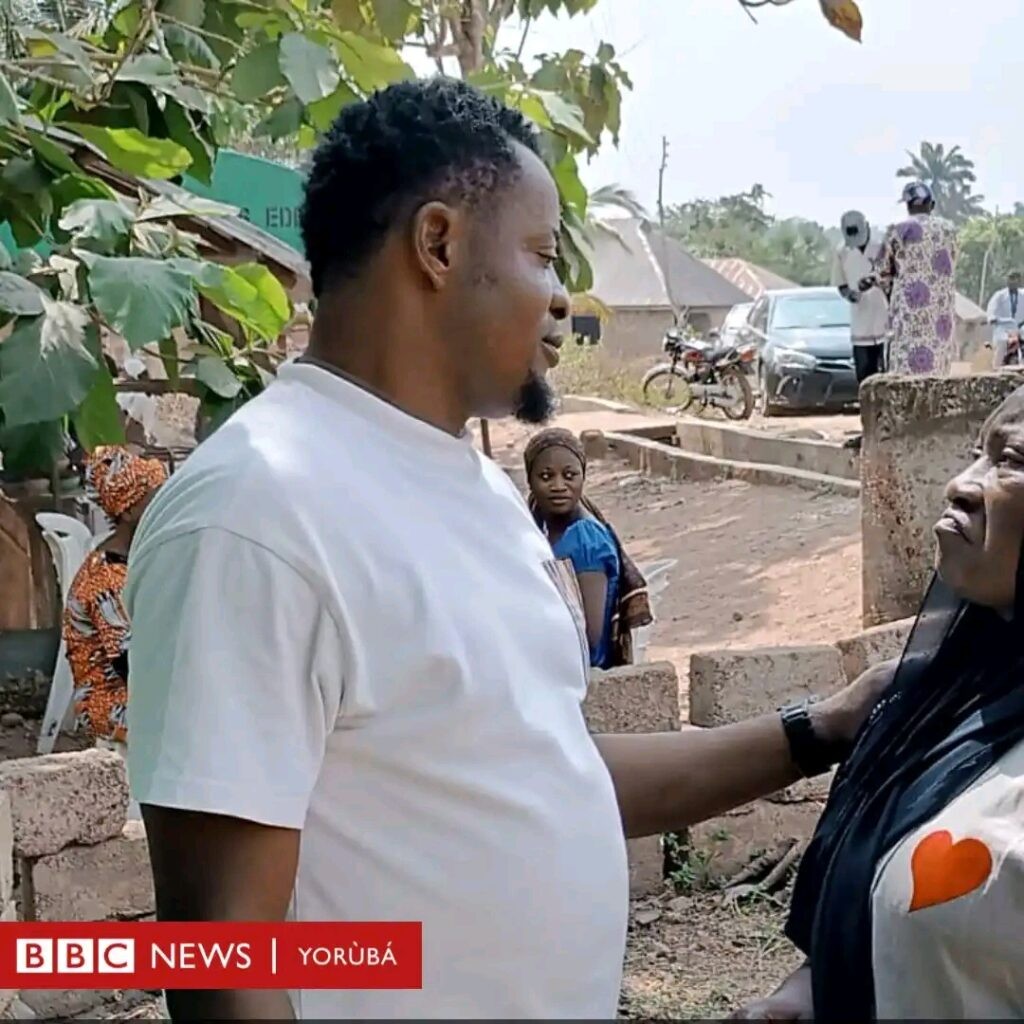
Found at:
[644, 277]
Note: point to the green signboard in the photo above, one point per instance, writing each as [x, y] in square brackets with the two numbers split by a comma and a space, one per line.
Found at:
[268, 195]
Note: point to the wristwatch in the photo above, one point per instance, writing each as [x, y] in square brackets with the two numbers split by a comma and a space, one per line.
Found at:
[810, 753]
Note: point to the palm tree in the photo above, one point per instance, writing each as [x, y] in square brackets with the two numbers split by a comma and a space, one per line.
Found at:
[950, 175]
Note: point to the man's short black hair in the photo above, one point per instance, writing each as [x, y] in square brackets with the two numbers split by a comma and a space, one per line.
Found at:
[383, 156]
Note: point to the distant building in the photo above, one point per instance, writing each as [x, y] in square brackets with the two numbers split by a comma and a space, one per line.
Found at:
[751, 279]
[641, 277]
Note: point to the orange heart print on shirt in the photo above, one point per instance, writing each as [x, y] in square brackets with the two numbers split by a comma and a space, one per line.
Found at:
[944, 870]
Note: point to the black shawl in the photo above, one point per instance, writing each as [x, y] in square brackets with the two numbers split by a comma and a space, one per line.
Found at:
[955, 707]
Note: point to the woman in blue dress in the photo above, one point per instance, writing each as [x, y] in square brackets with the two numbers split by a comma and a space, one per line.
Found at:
[613, 592]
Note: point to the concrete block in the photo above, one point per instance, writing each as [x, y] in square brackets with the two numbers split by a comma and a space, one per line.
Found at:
[729, 842]
[879, 643]
[729, 686]
[60, 799]
[660, 459]
[918, 432]
[646, 866]
[110, 880]
[635, 698]
[595, 445]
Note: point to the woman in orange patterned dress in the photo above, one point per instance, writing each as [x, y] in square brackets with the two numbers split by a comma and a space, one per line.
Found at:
[96, 629]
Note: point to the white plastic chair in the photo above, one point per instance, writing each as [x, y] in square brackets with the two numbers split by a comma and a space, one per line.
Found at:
[657, 576]
[69, 542]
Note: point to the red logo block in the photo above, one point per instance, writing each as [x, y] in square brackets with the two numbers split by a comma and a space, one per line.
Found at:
[211, 955]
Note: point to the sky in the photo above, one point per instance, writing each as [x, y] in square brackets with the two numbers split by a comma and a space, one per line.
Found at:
[822, 122]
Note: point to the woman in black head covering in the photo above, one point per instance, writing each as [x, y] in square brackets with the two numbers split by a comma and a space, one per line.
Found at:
[910, 899]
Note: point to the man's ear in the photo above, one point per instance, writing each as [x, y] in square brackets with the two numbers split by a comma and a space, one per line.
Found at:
[437, 238]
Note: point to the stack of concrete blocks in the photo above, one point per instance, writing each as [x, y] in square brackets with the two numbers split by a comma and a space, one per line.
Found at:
[637, 699]
[730, 686]
[64, 829]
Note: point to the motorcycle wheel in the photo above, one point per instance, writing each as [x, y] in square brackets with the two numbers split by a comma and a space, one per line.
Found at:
[743, 407]
[668, 390]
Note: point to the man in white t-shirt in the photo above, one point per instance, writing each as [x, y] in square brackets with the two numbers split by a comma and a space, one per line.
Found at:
[347, 628]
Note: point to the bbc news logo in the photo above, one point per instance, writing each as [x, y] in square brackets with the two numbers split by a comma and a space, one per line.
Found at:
[211, 955]
[75, 956]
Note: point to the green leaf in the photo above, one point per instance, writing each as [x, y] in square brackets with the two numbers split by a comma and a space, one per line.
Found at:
[9, 113]
[31, 450]
[46, 368]
[169, 357]
[18, 295]
[99, 225]
[347, 15]
[571, 189]
[142, 299]
[127, 19]
[311, 69]
[51, 153]
[190, 47]
[217, 376]
[98, 419]
[129, 150]
[182, 130]
[276, 311]
[48, 44]
[184, 205]
[394, 17]
[370, 65]
[77, 186]
[323, 112]
[149, 69]
[257, 73]
[192, 12]
[564, 115]
[26, 174]
[284, 120]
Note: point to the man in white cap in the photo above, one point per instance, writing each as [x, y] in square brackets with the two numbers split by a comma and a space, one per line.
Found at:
[853, 273]
[916, 269]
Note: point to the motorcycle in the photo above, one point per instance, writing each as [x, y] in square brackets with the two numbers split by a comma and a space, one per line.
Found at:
[702, 372]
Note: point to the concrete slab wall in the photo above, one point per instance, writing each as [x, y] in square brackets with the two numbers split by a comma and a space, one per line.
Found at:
[743, 444]
[918, 433]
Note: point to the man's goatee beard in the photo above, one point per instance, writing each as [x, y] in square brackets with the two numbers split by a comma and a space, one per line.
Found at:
[537, 400]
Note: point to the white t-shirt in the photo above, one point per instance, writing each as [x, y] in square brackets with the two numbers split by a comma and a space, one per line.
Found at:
[948, 908]
[869, 317]
[346, 621]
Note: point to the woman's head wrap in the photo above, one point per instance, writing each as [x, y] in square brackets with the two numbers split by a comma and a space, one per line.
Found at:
[117, 480]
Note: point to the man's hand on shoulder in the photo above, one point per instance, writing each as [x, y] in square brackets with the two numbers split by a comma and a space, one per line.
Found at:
[838, 718]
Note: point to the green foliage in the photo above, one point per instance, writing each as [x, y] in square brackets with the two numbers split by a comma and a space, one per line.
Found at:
[738, 225]
[990, 247]
[155, 87]
[951, 177]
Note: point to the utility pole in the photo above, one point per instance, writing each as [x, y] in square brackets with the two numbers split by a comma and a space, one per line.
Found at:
[665, 274]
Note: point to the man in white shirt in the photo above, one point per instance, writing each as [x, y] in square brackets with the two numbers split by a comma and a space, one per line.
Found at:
[347, 628]
[853, 270]
[1006, 313]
